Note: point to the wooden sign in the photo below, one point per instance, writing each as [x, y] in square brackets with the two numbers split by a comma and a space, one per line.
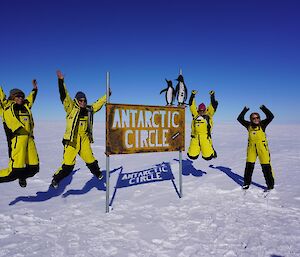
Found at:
[142, 129]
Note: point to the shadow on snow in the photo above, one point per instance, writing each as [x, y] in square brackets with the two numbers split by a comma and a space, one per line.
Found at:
[189, 169]
[234, 176]
[170, 176]
[94, 182]
[52, 192]
[44, 196]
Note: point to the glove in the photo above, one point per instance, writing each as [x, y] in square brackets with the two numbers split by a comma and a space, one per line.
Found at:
[211, 92]
[262, 107]
[246, 109]
[34, 83]
[194, 92]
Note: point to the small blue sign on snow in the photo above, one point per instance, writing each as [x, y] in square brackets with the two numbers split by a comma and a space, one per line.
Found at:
[159, 172]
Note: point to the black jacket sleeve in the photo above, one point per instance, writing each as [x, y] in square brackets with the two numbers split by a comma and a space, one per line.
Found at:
[269, 117]
[35, 90]
[241, 118]
[62, 91]
[191, 99]
[213, 101]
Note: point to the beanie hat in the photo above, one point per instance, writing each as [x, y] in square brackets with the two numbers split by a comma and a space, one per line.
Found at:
[80, 95]
[202, 107]
[14, 92]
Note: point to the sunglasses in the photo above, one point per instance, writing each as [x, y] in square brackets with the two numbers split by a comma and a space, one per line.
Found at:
[19, 96]
[82, 100]
[255, 118]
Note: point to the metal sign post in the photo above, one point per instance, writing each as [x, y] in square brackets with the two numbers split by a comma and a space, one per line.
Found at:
[134, 129]
[107, 155]
[180, 173]
[180, 160]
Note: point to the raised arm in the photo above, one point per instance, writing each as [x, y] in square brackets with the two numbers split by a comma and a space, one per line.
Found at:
[213, 101]
[61, 87]
[63, 93]
[211, 109]
[192, 104]
[269, 116]
[2, 100]
[99, 103]
[32, 95]
[241, 118]
[2, 95]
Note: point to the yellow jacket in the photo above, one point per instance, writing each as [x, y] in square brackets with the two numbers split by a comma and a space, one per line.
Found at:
[202, 124]
[72, 114]
[11, 116]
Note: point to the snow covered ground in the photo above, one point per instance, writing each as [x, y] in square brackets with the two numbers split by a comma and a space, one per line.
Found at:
[214, 217]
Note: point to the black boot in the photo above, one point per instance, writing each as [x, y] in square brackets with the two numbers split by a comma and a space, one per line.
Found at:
[248, 174]
[245, 187]
[22, 182]
[20, 173]
[54, 183]
[94, 168]
[62, 173]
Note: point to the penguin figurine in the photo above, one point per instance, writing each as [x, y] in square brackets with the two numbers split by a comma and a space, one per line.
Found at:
[170, 92]
[181, 91]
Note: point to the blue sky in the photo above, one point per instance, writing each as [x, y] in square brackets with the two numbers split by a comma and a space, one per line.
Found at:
[247, 51]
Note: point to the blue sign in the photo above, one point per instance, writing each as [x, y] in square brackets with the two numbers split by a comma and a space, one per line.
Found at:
[159, 172]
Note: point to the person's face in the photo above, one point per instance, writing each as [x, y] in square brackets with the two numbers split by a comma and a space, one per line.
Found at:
[19, 99]
[255, 119]
[82, 102]
[201, 112]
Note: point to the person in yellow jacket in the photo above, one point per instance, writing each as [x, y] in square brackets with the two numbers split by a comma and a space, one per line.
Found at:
[202, 124]
[257, 145]
[18, 125]
[79, 132]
